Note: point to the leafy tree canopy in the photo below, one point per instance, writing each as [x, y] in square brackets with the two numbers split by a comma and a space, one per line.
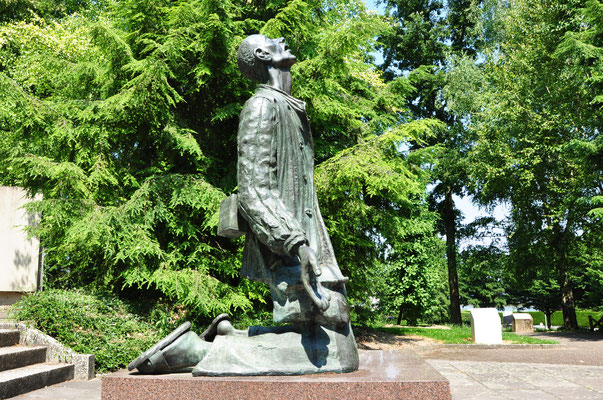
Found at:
[537, 125]
[124, 116]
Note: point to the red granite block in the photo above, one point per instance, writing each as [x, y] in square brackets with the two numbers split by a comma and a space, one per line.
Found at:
[388, 374]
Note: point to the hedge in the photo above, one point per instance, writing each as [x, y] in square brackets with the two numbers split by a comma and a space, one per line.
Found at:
[556, 319]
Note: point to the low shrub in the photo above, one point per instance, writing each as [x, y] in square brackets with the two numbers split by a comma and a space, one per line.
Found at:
[537, 316]
[89, 324]
[581, 315]
[556, 318]
[466, 317]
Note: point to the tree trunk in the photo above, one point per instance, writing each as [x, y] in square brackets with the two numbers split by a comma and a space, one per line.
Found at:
[568, 307]
[453, 279]
[548, 313]
[399, 316]
[570, 321]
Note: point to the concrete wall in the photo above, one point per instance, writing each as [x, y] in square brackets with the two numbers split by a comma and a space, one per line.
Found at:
[20, 266]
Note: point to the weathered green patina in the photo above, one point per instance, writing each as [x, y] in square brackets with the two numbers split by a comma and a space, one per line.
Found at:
[287, 245]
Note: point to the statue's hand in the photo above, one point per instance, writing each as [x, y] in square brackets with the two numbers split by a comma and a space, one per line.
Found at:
[309, 272]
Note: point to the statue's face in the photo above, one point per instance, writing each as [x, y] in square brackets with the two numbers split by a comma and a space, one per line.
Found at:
[278, 53]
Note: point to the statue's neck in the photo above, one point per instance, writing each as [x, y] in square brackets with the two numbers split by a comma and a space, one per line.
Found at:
[280, 79]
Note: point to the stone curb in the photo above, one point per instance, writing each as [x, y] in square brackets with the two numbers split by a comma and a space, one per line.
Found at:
[56, 352]
[525, 346]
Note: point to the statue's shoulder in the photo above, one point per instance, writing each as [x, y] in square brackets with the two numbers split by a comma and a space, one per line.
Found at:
[262, 99]
[263, 93]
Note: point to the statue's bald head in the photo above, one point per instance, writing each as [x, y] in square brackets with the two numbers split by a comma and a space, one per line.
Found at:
[250, 66]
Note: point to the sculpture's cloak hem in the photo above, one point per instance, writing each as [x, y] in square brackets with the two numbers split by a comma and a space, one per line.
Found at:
[317, 350]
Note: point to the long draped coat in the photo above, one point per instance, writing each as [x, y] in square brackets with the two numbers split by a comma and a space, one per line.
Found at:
[276, 192]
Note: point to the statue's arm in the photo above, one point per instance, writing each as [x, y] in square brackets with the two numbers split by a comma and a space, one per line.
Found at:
[259, 201]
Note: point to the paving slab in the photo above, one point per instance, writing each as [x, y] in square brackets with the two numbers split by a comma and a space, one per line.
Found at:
[72, 390]
[575, 348]
[504, 380]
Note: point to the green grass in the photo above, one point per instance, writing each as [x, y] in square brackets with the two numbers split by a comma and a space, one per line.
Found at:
[459, 334]
[513, 338]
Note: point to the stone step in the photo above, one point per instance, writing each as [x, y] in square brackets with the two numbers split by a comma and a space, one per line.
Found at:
[26, 379]
[9, 337]
[21, 356]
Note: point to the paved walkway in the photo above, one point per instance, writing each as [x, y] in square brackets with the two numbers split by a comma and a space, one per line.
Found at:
[73, 390]
[474, 380]
[581, 348]
[469, 380]
[573, 370]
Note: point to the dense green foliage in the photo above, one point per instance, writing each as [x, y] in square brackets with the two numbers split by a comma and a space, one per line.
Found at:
[91, 324]
[377, 213]
[124, 115]
[556, 318]
[426, 39]
[581, 316]
[537, 129]
[483, 277]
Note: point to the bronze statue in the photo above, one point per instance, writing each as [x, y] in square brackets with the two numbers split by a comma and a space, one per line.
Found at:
[286, 247]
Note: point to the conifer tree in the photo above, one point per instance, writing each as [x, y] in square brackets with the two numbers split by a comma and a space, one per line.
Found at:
[428, 36]
[124, 116]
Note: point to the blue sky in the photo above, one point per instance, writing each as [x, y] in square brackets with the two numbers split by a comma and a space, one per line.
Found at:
[372, 6]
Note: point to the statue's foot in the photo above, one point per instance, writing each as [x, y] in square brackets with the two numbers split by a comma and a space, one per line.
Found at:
[225, 328]
[142, 362]
[212, 330]
[155, 364]
[182, 355]
[179, 350]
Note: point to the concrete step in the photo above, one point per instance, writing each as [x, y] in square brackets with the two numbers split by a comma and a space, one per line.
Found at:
[26, 379]
[9, 337]
[21, 356]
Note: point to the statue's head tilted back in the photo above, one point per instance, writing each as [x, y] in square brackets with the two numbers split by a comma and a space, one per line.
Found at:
[249, 65]
[257, 53]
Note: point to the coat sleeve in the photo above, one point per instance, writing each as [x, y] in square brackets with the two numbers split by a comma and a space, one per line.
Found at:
[259, 197]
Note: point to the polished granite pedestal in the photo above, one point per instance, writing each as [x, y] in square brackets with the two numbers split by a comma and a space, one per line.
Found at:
[383, 374]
